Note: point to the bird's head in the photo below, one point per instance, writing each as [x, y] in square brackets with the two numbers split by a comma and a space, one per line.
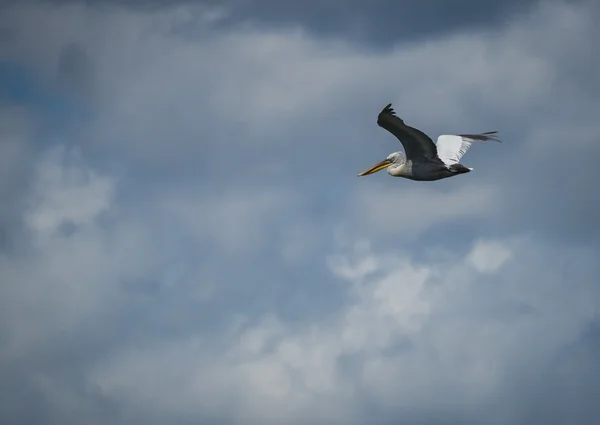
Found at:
[393, 160]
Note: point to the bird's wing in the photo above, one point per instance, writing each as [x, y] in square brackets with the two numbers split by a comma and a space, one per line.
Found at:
[417, 145]
[450, 148]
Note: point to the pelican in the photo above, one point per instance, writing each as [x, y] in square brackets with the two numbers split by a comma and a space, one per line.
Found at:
[424, 160]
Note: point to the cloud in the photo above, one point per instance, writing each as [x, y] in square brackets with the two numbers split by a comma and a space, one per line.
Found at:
[13, 123]
[64, 277]
[409, 335]
[233, 220]
[408, 212]
[15, 128]
[381, 23]
[66, 195]
[488, 257]
[74, 70]
[183, 238]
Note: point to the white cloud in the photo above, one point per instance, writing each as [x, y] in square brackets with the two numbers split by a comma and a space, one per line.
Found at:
[66, 193]
[254, 116]
[243, 89]
[299, 241]
[407, 210]
[282, 371]
[66, 282]
[74, 280]
[235, 220]
[488, 257]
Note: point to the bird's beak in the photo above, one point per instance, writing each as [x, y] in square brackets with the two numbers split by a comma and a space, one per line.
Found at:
[377, 167]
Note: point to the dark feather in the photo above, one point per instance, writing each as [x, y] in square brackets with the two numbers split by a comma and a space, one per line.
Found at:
[490, 135]
[417, 145]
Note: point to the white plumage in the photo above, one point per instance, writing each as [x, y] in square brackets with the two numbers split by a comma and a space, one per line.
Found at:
[451, 148]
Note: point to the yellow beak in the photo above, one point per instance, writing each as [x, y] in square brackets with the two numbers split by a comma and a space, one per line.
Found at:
[377, 167]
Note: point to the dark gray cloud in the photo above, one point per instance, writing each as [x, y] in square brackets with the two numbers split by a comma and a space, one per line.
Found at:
[375, 23]
[380, 22]
[75, 70]
[196, 248]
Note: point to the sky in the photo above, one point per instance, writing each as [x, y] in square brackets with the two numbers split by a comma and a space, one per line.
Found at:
[184, 238]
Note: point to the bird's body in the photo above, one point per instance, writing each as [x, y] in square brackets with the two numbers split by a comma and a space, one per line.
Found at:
[424, 171]
[424, 160]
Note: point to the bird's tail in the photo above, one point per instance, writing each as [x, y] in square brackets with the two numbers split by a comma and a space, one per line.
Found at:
[459, 169]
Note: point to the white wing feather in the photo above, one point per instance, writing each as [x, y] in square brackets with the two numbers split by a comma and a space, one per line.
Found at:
[451, 148]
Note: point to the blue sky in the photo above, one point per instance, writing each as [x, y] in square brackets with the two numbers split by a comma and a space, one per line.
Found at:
[183, 238]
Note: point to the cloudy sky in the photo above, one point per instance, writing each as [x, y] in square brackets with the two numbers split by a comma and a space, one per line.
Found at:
[184, 240]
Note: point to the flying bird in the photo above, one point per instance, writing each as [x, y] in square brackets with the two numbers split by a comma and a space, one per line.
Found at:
[424, 160]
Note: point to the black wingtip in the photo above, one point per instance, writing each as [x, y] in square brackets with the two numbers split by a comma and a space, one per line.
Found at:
[488, 135]
[388, 114]
[388, 110]
[493, 135]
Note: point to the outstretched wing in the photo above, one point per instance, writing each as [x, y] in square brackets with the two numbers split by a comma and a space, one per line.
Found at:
[417, 145]
[450, 148]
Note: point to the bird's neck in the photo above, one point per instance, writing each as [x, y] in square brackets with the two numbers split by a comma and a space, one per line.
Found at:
[398, 170]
